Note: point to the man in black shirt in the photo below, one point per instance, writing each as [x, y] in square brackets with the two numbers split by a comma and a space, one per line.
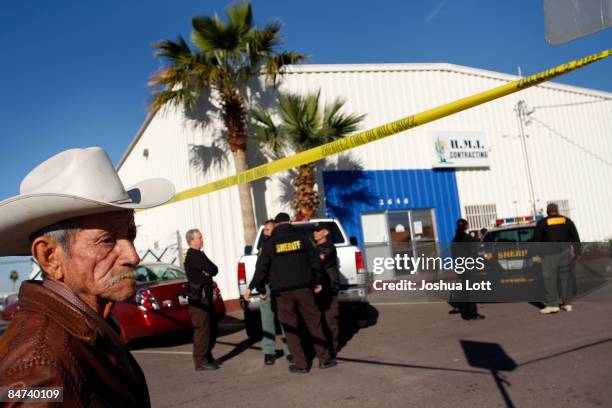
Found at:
[327, 300]
[200, 271]
[290, 264]
[465, 246]
[558, 234]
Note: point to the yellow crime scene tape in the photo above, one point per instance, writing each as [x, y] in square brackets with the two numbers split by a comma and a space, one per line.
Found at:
[368, 136]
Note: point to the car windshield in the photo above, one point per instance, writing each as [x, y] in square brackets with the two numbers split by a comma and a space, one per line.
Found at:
[511, 235]
[307, 228]
[157, 273]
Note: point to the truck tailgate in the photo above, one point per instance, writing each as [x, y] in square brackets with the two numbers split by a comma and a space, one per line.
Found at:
[347, 266]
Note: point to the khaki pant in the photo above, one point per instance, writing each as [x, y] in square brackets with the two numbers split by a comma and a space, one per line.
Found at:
[289, 304]
[268, 326]
[559, 281]
[204, 322]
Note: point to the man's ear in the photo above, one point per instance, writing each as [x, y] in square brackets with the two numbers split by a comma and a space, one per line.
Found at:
[50, 256]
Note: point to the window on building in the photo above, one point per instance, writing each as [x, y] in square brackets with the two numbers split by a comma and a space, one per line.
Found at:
[480, 215]
[564, 208]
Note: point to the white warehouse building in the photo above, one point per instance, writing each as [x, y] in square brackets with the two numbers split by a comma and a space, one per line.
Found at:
[485, 163]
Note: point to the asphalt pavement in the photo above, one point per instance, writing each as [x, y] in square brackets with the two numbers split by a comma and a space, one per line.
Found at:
[408, 355]
[411, 355]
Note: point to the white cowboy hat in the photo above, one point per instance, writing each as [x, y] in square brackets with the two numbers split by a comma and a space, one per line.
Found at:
[70, 184]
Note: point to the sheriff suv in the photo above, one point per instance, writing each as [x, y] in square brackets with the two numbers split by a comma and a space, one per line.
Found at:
[508, 253]
[350, 262]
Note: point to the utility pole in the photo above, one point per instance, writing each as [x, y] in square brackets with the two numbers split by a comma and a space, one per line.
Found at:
[523, 113]
[179, 249]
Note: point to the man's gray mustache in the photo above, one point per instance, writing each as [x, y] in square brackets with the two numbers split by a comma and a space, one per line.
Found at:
[125, 275]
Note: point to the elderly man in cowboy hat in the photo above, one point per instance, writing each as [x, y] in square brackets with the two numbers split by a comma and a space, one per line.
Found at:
[75, 217]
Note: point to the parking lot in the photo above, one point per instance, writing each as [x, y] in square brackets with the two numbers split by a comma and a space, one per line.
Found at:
[410, 355]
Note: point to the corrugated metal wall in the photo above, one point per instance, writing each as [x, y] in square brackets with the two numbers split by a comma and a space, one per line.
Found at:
[569, 146]
[171, 143]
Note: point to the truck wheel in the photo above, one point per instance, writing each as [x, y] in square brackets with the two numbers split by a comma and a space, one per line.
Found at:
[252, 324]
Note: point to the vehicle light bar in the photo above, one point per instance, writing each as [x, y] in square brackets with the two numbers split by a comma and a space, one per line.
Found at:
[517, 220]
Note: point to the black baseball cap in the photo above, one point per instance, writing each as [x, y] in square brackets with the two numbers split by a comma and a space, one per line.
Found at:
[281, 217]
[319, 226]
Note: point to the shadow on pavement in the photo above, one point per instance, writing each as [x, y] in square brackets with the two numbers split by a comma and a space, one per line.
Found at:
[482, 359]
[492, 357]
[168, 340]
[539, 305]
[596, 343]
[352, 318]
[417, 366]
[238, 348]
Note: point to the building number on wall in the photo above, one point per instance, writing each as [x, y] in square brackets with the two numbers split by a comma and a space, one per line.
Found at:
[398, 201]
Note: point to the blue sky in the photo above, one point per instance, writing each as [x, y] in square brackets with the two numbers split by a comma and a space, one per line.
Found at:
[74, 73]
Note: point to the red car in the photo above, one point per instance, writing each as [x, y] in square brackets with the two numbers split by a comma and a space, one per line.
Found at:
[159, 306]
[9, 311]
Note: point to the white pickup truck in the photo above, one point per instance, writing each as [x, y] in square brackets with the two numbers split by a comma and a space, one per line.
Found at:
[350, 262]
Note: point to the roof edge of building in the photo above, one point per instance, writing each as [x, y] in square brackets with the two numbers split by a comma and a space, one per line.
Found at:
[136, 137]
[421, 66]
[434, 66]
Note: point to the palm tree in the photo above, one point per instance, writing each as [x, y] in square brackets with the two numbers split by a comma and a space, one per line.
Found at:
[14, 276]
[303, 125]
[226, 58]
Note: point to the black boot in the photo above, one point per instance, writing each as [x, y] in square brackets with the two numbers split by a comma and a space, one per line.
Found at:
[269, 359]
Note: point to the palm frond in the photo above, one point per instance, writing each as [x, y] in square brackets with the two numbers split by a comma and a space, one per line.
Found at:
[332, 109]
[291, 112]
[341, 125]
[301, 117]
[240, 17]
[275, 63]
[338, 124]
[163, 78]
[211, 35]
[224, 57]
[172, 51]
[262, 118]
[308, 125]
[268, 135]
[175, 97]
[263, 42]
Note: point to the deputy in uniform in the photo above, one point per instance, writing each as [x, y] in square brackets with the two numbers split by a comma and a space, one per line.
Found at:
[200, 271]
[267, 312]
[558, 235]
[290, 264]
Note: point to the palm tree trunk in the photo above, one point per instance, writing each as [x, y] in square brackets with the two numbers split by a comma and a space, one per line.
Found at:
[234, 116]
[306, 198]
[246, 200]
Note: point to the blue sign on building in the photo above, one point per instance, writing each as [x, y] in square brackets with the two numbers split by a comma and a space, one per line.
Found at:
[349, 194]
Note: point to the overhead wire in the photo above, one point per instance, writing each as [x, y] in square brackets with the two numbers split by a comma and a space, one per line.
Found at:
[563, 105]
[570, 141]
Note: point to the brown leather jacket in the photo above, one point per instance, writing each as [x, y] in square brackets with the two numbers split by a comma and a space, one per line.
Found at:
[55, 340]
